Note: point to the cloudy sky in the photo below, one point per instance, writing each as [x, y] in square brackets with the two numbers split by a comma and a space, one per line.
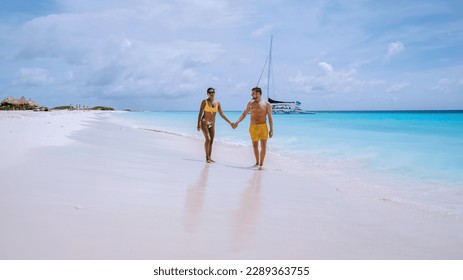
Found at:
[164, 54]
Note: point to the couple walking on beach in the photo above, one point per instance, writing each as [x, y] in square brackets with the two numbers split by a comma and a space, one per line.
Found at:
[258, 129]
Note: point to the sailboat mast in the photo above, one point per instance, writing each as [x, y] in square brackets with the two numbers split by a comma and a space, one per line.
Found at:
[269, 67]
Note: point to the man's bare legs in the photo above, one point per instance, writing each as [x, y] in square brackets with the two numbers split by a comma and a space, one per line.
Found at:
[263, 151]
[259, 155]
[255, 147]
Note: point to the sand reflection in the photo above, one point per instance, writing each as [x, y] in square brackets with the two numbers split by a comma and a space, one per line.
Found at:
[246, 215]
[195, 200]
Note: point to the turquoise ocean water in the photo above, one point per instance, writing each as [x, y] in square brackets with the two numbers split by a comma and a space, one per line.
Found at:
[418, 153]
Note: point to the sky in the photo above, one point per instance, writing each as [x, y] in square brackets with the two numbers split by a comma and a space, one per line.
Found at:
[164, 54]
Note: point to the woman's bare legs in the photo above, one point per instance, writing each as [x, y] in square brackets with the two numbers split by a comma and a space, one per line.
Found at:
[209, 133]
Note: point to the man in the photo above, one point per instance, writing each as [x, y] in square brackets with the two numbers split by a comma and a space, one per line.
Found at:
[258, 129]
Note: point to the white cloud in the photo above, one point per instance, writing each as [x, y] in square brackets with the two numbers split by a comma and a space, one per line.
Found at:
[331, 81]
[394, 49]
[33, 77]
[262, 31]
[115, 58]
[445, 85]
[326, 66]
[398, 87]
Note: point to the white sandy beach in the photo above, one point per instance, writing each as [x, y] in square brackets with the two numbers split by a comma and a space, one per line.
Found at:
[84, 185]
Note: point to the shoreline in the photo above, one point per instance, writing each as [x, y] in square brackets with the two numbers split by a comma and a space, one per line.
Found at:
[358, 173]
[111, 191]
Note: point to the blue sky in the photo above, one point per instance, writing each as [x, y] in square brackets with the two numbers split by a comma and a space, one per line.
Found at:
[163, 55]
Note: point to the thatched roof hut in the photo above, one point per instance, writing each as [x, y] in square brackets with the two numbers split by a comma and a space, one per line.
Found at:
[18, 104]
[10, 100]
[32, 103]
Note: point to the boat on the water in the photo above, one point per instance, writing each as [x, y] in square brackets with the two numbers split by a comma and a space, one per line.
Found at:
[287, 107]
[280, 107]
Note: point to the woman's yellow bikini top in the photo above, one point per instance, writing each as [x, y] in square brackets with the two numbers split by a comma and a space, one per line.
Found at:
[209, 108]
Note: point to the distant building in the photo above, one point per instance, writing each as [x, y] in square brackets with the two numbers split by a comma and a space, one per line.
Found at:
[11, 103]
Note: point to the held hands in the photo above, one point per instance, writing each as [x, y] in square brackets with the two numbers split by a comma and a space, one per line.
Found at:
[234, 125]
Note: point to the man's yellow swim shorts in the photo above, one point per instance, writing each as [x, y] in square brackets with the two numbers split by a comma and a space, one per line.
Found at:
[258, 131]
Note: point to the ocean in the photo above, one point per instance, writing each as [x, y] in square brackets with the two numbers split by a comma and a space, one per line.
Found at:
[405, 157]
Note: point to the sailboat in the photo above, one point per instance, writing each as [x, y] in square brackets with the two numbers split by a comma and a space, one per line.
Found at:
[280, 107]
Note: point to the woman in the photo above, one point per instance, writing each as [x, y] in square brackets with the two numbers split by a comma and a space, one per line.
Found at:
[206, 121]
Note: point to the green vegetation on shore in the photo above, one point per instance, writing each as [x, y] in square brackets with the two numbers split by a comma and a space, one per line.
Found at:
[71, 108]
[102, 108]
